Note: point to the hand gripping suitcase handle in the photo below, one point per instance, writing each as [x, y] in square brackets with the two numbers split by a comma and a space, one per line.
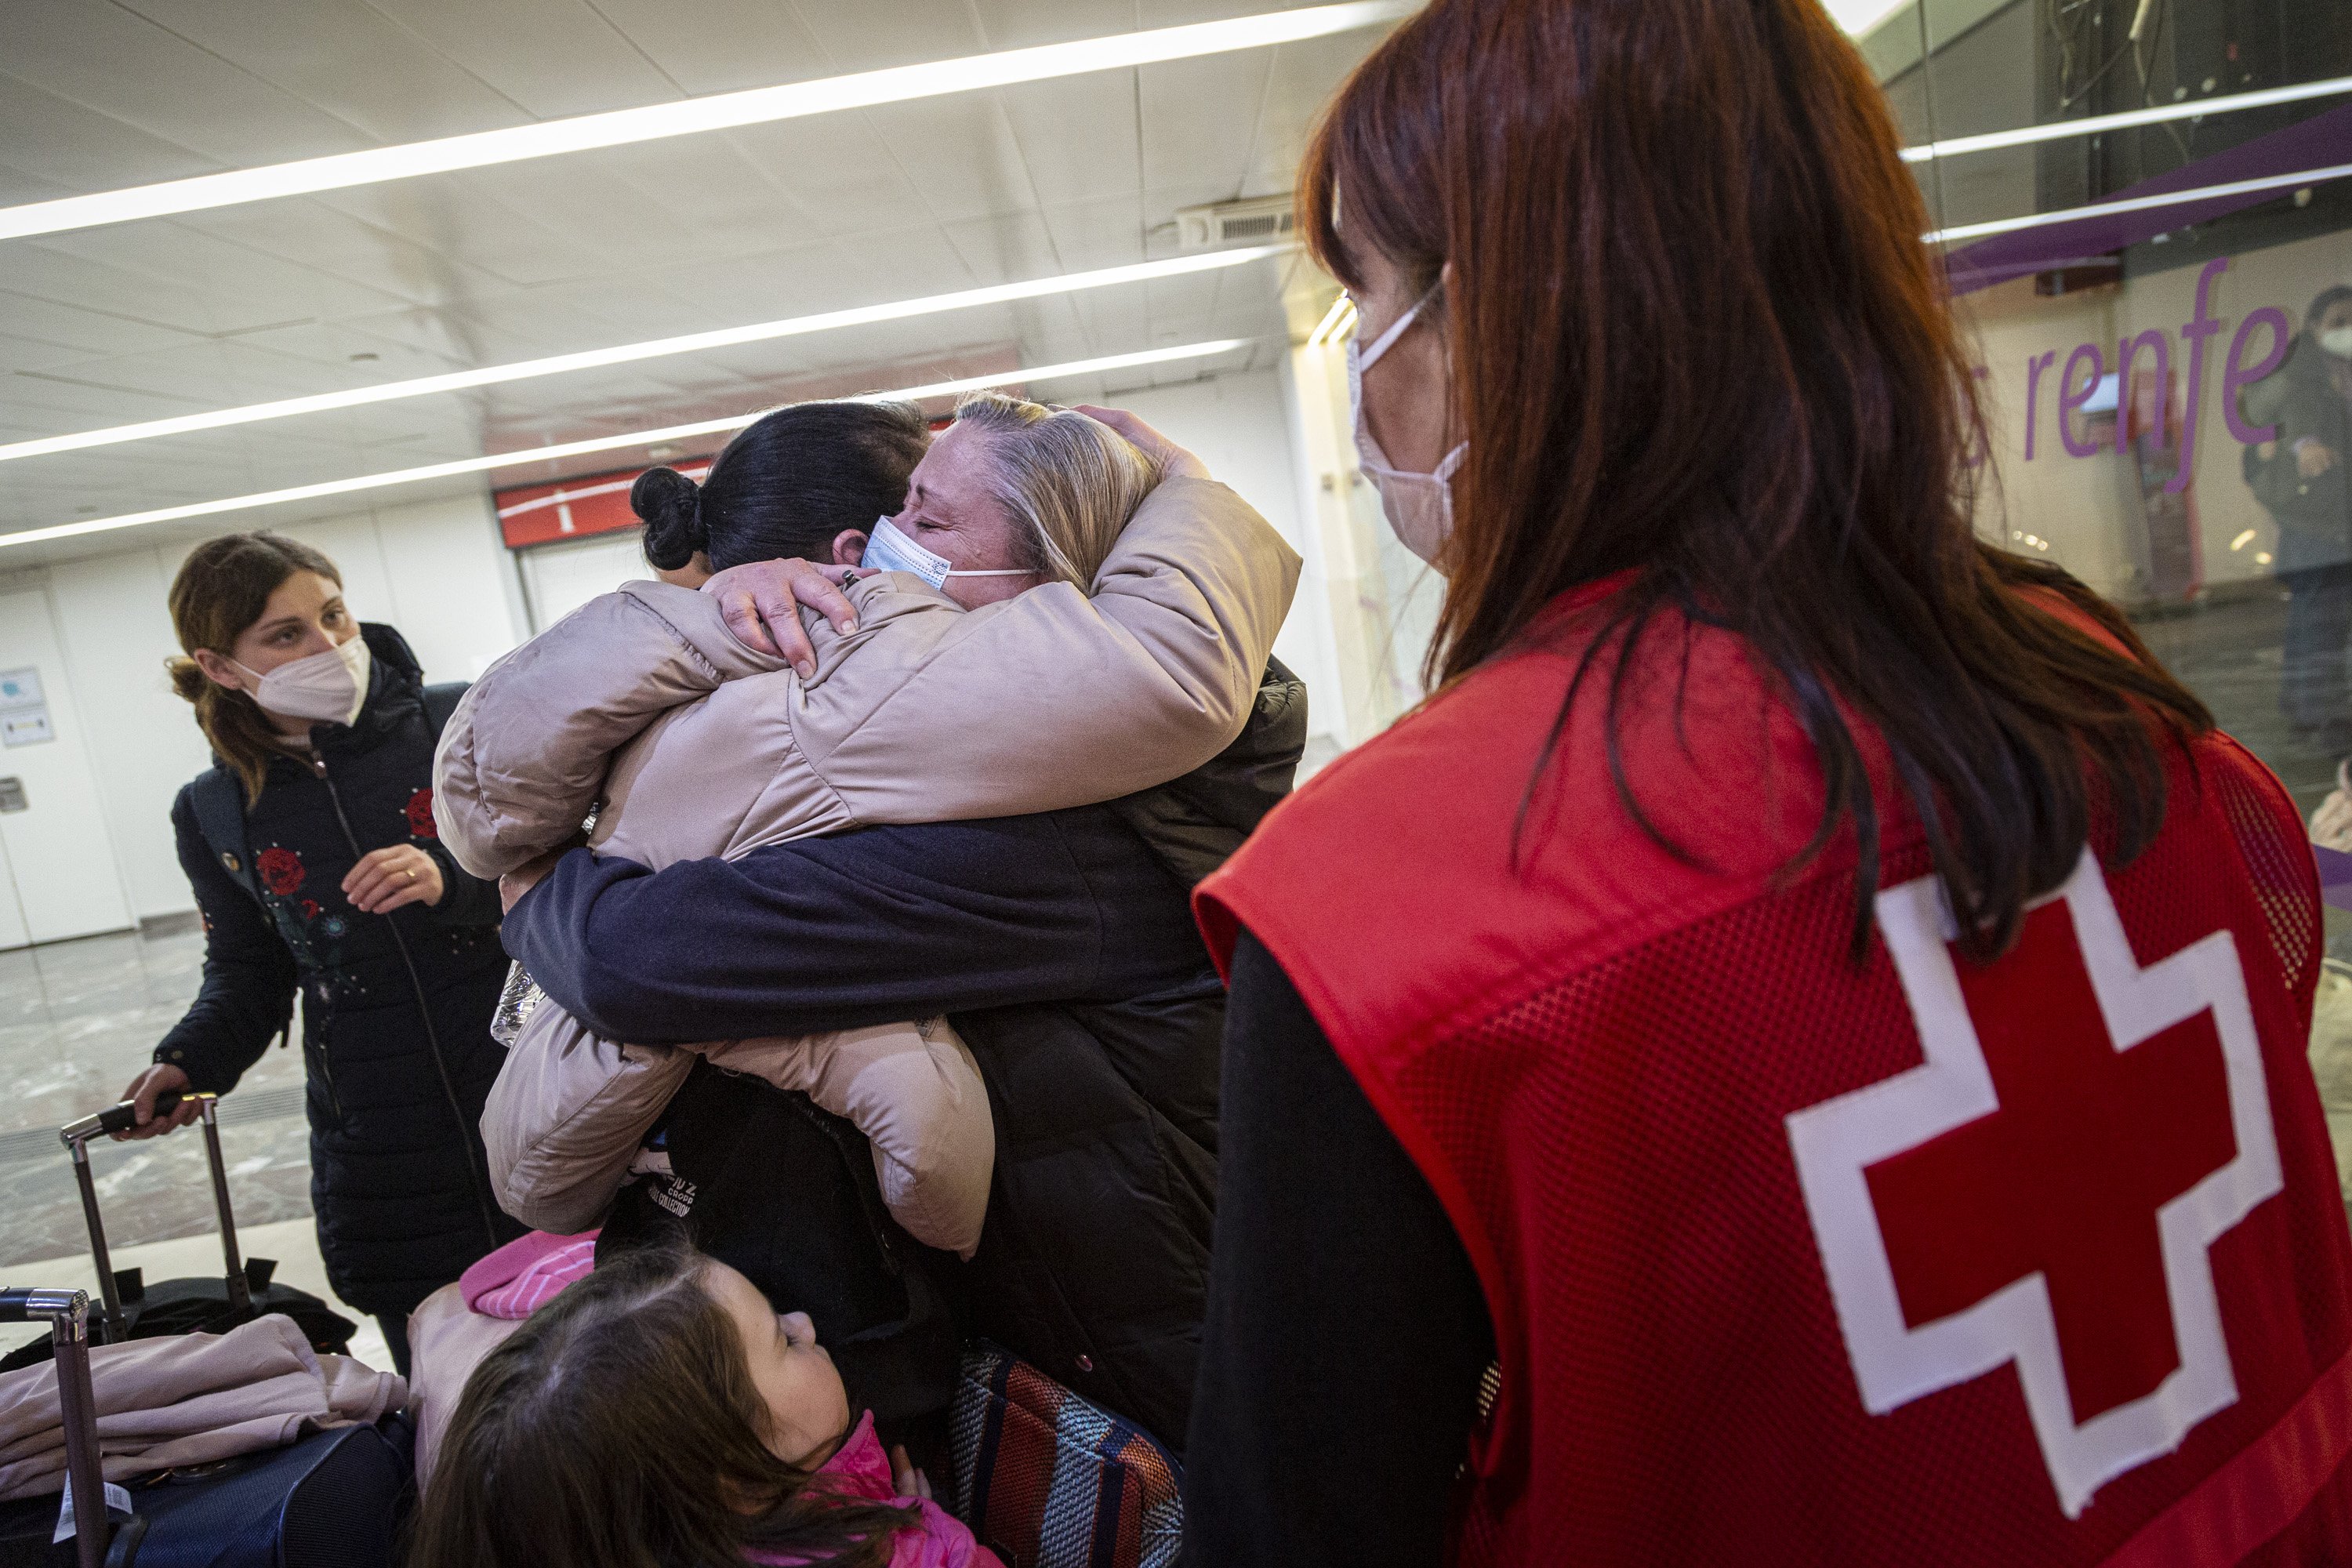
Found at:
[122, 1118]
[68, 1312]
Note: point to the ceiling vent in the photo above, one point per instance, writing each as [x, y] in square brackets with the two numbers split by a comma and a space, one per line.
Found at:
[1253, 220]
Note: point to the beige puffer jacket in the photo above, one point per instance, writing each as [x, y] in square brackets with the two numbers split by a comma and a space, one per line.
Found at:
[926, 712]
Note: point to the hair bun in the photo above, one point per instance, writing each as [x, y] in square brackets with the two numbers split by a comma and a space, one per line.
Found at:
[671, 507]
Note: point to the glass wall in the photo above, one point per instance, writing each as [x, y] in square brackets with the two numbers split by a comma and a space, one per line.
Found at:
[2145, 217]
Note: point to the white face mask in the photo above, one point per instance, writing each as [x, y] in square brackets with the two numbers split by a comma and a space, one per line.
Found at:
[328, 688]
[1419, 507]
[2338, 341]
[888, 549]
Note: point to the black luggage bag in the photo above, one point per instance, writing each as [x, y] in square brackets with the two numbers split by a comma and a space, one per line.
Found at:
[133, 1309]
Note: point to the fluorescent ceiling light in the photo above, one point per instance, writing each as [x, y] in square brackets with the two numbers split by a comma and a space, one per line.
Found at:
[2187, 109]
[720, 111]
[2136, 204]
[603, 444]
[627, 354]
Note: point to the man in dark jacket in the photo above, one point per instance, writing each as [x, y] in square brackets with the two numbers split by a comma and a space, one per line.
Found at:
[2303, 476]
[395, 1007]
[1063, 949]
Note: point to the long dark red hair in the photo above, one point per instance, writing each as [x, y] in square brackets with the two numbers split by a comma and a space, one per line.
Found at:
[1694, 333]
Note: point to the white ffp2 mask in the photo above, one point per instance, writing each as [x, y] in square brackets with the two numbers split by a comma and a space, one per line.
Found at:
[1418, 507]
[326, 688]
[2338, 341]
[889, 550]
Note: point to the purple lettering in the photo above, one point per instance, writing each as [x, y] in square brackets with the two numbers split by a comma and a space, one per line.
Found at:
[2199, 326]
[2034, 366]
[2071, 397]
[2234, 376]
[2127, 353]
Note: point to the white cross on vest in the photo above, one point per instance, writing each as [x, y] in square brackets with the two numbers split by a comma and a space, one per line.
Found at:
[2043, 1189]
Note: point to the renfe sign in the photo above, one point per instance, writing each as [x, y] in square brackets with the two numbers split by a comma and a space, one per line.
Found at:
[2072, 392]
[572, 509]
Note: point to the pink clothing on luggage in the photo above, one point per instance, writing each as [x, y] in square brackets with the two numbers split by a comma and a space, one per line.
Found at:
[527, 1273]
[187, 1399]
[861, 1471]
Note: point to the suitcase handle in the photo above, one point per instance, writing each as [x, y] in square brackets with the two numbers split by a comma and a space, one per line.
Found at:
[68, 1312]
[122, 1118]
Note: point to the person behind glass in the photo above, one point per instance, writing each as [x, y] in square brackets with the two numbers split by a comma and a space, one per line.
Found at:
[2300, 477]
[1824, 1020]
[321, 723]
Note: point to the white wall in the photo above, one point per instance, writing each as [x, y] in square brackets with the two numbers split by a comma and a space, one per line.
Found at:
[1241, 426]
[432, 569]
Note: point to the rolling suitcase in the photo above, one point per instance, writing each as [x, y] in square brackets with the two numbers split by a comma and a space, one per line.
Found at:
[133, 1309]
[331, 1500]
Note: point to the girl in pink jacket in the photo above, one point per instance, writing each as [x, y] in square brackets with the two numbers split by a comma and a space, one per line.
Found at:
[660, 1410]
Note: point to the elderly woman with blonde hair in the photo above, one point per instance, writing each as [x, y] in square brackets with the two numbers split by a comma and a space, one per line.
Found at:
[1045, 623]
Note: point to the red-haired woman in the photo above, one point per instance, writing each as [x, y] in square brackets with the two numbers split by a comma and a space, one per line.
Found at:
[1809, 1001]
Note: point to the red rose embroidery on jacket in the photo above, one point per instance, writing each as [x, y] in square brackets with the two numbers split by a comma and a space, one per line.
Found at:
[310, 909]
[281, 870]
[420, 814]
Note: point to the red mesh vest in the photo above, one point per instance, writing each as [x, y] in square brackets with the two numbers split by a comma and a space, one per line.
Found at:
[1796, 1260]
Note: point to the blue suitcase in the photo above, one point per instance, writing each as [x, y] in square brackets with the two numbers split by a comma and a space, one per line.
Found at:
[333, 1500]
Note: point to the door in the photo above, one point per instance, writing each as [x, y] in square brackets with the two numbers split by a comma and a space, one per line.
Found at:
[59, 857]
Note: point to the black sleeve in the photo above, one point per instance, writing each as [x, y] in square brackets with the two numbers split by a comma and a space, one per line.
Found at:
[863, 928]
[1347, 1334]
[466, 900]
[247, 993]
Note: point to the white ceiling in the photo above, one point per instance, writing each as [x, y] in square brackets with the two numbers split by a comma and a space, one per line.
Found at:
[141, 321]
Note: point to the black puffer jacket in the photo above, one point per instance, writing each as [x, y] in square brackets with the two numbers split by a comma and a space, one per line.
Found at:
[396, 1008]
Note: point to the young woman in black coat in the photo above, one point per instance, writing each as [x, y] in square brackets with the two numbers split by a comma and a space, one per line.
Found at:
[340, 890]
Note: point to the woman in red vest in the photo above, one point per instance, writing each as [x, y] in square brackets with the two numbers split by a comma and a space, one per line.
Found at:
[1809, 1002]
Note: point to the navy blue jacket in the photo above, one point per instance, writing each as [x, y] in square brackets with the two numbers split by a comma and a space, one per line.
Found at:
[1064, 949]
[396, 1008]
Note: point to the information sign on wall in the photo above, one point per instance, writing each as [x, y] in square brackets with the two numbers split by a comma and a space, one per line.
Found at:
[23, 710]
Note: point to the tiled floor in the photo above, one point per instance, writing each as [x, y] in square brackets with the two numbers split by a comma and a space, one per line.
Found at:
[77, 1021]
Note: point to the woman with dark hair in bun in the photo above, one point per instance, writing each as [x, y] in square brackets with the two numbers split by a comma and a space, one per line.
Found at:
[785, 488]
[1051, 626]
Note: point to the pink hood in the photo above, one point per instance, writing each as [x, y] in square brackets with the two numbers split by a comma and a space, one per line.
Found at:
[861, 1471]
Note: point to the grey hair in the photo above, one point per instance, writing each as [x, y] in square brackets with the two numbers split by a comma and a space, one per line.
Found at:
[1070, 483]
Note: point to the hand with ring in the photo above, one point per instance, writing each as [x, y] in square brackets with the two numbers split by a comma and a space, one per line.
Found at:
[385, 879]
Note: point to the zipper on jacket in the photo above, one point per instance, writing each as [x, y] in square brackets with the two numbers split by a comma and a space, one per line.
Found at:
[327, 1074]
[474, 1176]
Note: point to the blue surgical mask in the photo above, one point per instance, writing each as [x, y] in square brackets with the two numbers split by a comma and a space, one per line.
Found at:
[888, 549]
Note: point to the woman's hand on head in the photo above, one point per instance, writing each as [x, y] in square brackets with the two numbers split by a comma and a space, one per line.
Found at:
[1175, 462]
[761, 601]
[387, 878]
[160, 1080]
